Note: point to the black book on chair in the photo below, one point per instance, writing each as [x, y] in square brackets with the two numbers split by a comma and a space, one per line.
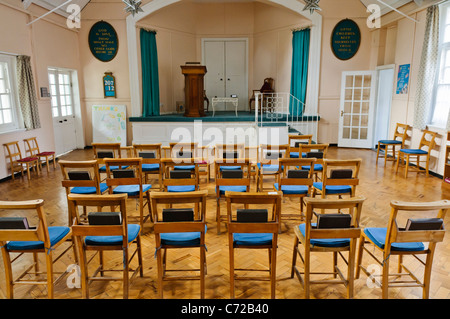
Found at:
[325, 221]
[251, 215]
[105, 154]
[147, 154]
[105, 218]
[123, 173]
[14, 223]
[341, 173]
[234, 173]
[297, 173]
[79, 175]
[180, 174]
[178, 215]
[424, 224]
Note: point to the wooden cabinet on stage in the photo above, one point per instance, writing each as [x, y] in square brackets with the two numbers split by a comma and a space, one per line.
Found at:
[193, 89]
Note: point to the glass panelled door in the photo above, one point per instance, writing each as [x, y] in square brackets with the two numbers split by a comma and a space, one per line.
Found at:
[357, 109]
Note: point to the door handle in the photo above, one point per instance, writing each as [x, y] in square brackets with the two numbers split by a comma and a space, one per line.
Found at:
[228, 79]
[221, 79]
[65, 120]
[342, 113]
[60, 121]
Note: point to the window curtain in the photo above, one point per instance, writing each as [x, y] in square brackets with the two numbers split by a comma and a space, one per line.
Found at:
[27, 93]
[428, 69]
[150, 79]
[299, 73]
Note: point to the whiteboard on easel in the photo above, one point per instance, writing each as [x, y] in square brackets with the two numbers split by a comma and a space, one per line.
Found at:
[109, 124]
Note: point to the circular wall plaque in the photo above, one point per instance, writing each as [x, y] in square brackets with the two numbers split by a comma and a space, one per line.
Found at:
[103, 41]
[345, 39]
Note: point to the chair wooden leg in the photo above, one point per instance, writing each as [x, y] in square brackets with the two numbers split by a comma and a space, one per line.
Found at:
[273, 272]
[385, 278]
[231, 254]
[139, 251]
[406, 166]
[335, 260]
[307, 274]
[359, 257]
[378, 152]
[294, 257]
[49, 262]
[218, 215]
[8, 274]
[126, 277]
[351, 269]
[427, 165]
[202, 272]
[400, 157]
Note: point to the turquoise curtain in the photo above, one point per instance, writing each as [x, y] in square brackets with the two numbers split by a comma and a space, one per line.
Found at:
[299, 73]
[150, 79]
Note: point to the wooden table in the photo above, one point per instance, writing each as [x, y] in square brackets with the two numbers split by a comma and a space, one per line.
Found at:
[216, 100]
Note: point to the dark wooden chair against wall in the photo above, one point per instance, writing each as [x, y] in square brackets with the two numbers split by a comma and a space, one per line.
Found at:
[267, 87]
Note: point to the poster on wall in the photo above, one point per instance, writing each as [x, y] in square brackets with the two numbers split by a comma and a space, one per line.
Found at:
[345, 39]
[403, 79]
[109, 124]
[103, 41]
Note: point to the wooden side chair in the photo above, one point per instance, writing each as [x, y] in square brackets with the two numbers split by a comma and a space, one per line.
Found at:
[236, 179]
[388, 146]
[32, 150]
[106, 150]
[317, 151]
[179, 228]
[106, 231]
[268, 164]
[81, 177]
[267, 87]
[253, 229]
[184, 151]
[207, 159]
[252, 153]
[18, 163]
[332, 232]
[294, 142]
[151, 160]
[293, 182]
[124, 176]
[229, 151]
[19, 236]
[419, 236]
[426, 145]
[177, 179]
[340, 177]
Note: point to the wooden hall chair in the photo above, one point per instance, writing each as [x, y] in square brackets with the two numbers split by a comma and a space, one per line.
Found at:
[399, 139]
[268, 162]
[339, 177]
[236, 179]
[398, 241]
[151, 160]
[179, 228]
[17, 162]
[293, 182]
[332, 232]
[426, 145]
[105, 150]
[32, 148]
[18, 236]
[253, 229]
[124, 176]
[294, 144]
[317, 151]
[268, 87]
[177, 179]
[107, 231]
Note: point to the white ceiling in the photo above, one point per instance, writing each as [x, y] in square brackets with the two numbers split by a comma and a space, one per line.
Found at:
[52, 4]
[393, 3]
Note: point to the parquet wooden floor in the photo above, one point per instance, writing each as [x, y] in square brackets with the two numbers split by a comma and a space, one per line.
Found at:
[378, 184]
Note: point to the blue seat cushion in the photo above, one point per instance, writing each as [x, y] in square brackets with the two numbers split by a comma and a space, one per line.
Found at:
[378, 237]
[183, 239]
[186, 167]
[317, 167]
[103, 168]
[131, 190]
[252, 239]
[333, 189]
[150, 167]
[56, 234]
[414, 151]
[268, 167]
[295, 154]
[229, 168]
[292, 189]
[390, 142]
[325, 242]
[237, 188]
[133, 232]
[88, 190]
[181, 188]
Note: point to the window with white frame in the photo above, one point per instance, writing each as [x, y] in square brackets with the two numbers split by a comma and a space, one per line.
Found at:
[61, 92]
[8, 98]
[442, 87]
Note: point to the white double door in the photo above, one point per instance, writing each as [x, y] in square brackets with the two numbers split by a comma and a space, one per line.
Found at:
[226, 64]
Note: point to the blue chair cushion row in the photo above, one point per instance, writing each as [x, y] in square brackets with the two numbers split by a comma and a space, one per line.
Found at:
[88, 190]
[296, 154]
[268, 167]
[333, 189]
[317, 167]
[378, 237]
[328, 242]
[237, 188]
[56, 233]
[229, 168]
[184, 239]
[131, 190]
[413, 151]
[103, 168]
[292, 189]
[181, 188]
[150, 167]
[133, 232]
[390, 142]
[186, 167]
[252, 239]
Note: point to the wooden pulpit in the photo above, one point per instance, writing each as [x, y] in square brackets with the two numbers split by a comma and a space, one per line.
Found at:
[193, 89]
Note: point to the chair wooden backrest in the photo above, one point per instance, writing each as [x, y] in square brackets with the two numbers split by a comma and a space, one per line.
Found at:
[428, 140]
[229, 151]
[31, 146]
[177, 149]
[90, 167]
[254, 198]
[354, 207]
[310, 149]
[101, 151]
[28, 209]
[294, 141]
[168, 165]
[142, 151]
[287, 164]
[126, 166]
[14, 153]
[330, 165]
[245, 167]
[80, 229]
[401, 132]
[396, 234]
[267, 153]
